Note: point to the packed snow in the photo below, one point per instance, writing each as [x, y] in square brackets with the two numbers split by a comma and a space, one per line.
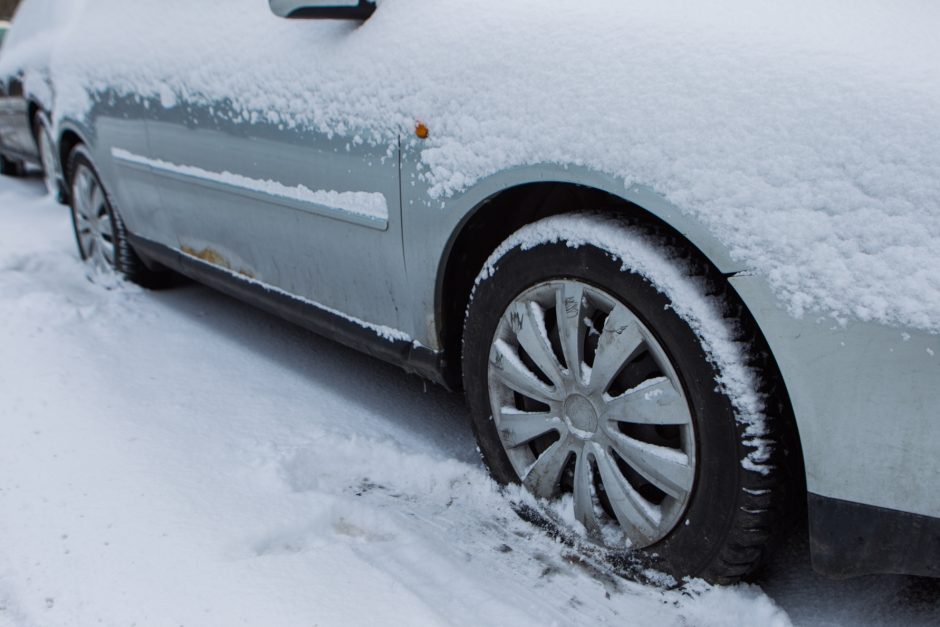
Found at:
[176, 457]
[805, 135]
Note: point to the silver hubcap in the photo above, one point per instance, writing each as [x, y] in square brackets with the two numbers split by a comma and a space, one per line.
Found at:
[92, 220]
[586, 402]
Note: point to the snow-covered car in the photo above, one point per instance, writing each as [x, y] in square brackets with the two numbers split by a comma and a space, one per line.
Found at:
[9, 134]
[683, 260]
[25, 136]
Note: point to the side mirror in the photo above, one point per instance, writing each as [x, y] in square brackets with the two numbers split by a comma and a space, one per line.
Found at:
[323, 9]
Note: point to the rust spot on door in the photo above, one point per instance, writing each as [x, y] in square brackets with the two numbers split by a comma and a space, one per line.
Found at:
[214, 257]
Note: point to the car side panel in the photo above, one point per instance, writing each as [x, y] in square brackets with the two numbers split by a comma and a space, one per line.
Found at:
[226, 189]
[865, 397]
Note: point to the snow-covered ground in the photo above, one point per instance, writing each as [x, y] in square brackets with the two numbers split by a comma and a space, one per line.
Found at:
[178, 458]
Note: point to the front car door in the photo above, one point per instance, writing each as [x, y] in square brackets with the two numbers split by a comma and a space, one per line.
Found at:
[311, 214]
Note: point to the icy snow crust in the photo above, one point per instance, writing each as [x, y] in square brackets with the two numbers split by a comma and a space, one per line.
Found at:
[805, 135]
[670, 275]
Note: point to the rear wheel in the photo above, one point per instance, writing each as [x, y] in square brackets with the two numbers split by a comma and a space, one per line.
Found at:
[99, 230]
[589, 388]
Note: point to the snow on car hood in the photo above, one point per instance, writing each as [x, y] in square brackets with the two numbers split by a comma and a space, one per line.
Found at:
[804, 135]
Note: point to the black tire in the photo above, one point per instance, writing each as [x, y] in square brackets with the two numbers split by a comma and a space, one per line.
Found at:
[125, 261]
[733, 515]
[9, 167]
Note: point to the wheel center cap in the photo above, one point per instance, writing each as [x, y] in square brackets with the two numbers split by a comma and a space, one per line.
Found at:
[580, 415]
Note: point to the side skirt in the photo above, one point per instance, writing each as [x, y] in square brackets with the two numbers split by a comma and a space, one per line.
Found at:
[850, 539]
[412, 358]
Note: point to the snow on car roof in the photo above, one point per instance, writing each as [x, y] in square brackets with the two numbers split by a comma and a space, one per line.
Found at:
[804, 135]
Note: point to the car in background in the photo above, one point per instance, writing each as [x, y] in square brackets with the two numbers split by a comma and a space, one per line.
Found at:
[10, 165]
[18, 146]
[649, 375]
[25, 138]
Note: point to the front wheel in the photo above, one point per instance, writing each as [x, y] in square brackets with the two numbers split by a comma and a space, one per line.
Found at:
[603, 379]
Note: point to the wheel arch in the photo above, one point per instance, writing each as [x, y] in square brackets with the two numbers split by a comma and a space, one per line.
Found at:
[500, 205]
[503, 211]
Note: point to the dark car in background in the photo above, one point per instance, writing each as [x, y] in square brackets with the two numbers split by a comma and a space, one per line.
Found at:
[25, 139]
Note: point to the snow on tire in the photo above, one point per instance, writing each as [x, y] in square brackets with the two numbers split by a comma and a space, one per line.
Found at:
[610, 382]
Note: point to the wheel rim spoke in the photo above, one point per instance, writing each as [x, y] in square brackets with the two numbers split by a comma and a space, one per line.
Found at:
[619, 339]
[666, 468]
[87, 242]
[638, 517]
[506, 365]
[569, 299]
[107, 250]
[84, 195]
[517, 428]
[528, 321]
[543, 475]
[104, 226]
[80, 195]
[96, 201]
[654, 402]
[584, 509]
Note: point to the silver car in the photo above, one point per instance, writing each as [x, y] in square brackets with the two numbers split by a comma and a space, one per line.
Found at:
[25, 138]
[652, 393]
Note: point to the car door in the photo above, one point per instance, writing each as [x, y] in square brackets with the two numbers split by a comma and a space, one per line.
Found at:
[315, 216]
